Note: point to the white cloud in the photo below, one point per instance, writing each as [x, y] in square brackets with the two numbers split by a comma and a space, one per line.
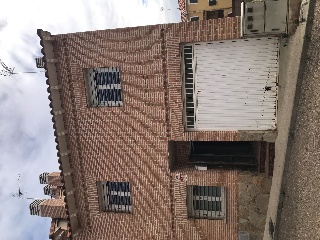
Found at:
[27, 144]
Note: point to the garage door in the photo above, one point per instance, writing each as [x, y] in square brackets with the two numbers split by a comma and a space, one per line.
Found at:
[231, 85]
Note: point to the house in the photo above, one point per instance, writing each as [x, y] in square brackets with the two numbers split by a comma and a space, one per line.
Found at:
[155, 125]
[194, 10]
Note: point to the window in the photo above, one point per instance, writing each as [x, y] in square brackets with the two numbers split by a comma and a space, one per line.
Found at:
[206, 202]
[103, 87]
[114, 196]
[212, 2]
[192, 19]
[193, 1]
[188, 70]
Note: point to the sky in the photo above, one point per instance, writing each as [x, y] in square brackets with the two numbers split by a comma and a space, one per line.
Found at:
[27, 145]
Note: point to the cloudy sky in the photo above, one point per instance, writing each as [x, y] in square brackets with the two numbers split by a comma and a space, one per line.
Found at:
[27, 144]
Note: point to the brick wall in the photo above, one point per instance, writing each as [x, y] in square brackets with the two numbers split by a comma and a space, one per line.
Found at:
[54, 208]
[201, 228]
[54, 179]
[130, 143]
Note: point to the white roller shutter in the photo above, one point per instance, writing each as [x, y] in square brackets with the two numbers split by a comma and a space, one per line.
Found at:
[234, 84]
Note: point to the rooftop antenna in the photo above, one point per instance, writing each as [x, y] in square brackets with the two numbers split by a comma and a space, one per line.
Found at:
[169, 9]
[5, 71]
[20, 194]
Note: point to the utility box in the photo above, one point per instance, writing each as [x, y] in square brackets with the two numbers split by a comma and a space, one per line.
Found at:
[244, 236]
[264, 17]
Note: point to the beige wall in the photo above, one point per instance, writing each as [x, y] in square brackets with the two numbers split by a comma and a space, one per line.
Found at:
[195, 14]
[226, 11]
[204, 5]
[200, 14]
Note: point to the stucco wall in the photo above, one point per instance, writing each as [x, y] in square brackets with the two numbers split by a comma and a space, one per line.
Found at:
[204, 5]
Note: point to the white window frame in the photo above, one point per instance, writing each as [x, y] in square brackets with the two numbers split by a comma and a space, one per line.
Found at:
[105, 193]
[198, 18]
[94, 87]
[207, 214]
[194, 3]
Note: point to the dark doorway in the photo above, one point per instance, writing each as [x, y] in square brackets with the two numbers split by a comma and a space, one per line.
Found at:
[223, 153]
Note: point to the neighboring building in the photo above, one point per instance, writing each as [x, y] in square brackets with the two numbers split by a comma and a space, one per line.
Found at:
[194, 10]
[155, 124]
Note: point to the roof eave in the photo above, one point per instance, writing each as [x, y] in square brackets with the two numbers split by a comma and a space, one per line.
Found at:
[58, 118]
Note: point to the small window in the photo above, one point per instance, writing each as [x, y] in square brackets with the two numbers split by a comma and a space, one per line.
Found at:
[192, 19]
[115, 196]
[193, 1]
[206, 202]
[250, 18]
[212, 2]
[103, 87]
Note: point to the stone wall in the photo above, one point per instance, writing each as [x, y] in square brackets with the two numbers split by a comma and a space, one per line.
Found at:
[254, 191]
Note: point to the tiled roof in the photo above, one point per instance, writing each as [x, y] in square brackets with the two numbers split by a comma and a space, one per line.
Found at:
[60, 132]
[183, 10]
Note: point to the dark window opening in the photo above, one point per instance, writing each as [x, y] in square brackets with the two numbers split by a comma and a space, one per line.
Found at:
[212, 2]
[214, 14]
[193, 19]
[223, 153]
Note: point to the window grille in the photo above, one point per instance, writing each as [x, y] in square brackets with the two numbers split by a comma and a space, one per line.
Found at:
[206, 202]
[115, 196]
[103, 87]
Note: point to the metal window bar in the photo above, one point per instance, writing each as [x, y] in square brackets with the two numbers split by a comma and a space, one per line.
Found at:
[116, 196]
[104, 87]
[207, 202]
[189, 86]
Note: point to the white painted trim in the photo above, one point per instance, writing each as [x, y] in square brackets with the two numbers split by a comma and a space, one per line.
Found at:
[194, 17]
[193, 3]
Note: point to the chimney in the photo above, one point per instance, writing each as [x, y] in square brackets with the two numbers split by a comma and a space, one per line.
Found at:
[53, 191]
[53, 208]
[47, 189]
[44, 178]
[35, 207]
[39, 63]
[54, 179]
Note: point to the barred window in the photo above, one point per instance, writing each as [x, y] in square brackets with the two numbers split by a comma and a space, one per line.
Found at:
[103, 87]
[114, 196]
[206, 202]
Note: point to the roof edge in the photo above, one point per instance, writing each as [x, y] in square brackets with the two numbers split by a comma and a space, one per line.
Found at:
[60, 133]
